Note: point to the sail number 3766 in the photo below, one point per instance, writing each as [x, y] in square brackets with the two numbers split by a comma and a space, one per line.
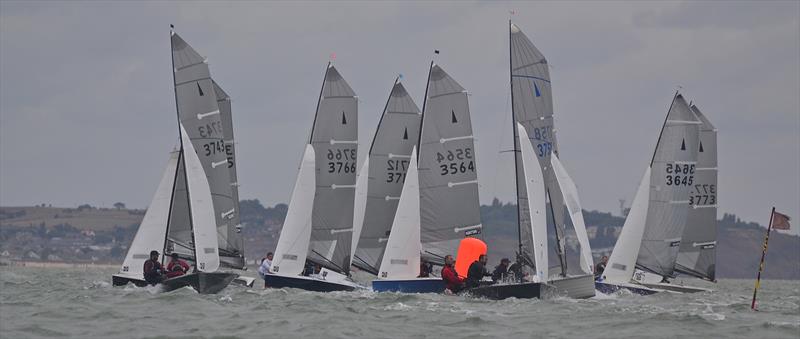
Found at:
[342, 160]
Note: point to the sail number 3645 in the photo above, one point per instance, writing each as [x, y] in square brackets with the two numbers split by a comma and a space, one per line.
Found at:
[680, 174]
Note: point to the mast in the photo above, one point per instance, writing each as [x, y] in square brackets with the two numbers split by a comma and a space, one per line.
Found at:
[514, 142]
[319, 99]
[185, 179]
[422, 116]
[171, 200]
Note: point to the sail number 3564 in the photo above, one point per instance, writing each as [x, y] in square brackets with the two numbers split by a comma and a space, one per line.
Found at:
[455, 161]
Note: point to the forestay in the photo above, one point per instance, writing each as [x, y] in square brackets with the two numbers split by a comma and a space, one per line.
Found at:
[673, 169]
[402, 254]
[532, 104]
[697, 255]
[151, 234]
[447, 168]
[232, 251]
[389, 158]
[292, 249]
[334, 137]
[200, 117]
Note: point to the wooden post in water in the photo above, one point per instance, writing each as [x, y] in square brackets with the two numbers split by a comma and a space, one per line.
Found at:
[763, 255]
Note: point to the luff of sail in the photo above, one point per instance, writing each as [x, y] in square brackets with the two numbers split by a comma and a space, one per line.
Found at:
[232, 251]
[697, 255]
[152, 230]
[334, 137]
[389, 158]
[200, 116]
[673, 168]
[447, 168]
[532, 105]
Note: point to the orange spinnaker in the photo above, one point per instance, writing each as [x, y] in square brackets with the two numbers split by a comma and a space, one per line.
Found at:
[468, 251]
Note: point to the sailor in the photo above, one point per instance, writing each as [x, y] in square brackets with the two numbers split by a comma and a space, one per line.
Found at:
[477, 270]
[425, 269]
[263, 269]
[176, 267]
[516, 269]
[501, 271]
[600, 267]
[153, 271]
[453, 283]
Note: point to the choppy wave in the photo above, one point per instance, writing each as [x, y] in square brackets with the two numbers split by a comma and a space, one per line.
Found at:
[81, 303]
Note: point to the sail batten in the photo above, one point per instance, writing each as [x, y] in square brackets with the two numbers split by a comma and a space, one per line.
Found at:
[334, 137]
[446, 157]
[389, 158]
[673, 174]
[532, 105]
[697, 254]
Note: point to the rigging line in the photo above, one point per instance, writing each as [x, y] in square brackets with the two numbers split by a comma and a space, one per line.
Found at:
[330, 262]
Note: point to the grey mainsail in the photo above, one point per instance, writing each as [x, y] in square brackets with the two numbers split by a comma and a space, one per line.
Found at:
[199, 114]
[334, 137]
[532, 105]
[448, 180]
[697, 255]
[673, 169]
[232, 251]
[389, 158]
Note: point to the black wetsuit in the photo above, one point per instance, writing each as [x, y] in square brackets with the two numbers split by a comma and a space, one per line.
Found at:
[475, 273]
[599, 269]
[500, 272]
[153, 271]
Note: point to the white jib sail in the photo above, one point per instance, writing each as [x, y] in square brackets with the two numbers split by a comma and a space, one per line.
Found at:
[570, 193]
[153, 229]
[402, 256]
[204, 225]
[292, 249]
[534, 183]
[622, 263]
[360, 205]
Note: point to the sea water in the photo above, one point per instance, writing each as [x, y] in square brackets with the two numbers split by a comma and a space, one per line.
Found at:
[81, 303]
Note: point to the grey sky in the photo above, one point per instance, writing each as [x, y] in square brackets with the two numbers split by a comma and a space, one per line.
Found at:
[87, 112]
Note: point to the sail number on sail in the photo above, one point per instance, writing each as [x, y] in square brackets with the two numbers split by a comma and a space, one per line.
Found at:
[396, 170]
[219, 146]
[211, 130]
[543, 135]
[702, 195]
[342, 160]
[456, 162]
[680, 174]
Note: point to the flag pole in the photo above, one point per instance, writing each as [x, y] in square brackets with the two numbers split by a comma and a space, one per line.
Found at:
[761, 265]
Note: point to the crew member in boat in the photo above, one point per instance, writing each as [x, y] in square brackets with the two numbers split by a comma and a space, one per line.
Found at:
[600, 267]
[153, 271]
[501, 271]
[516, 270]
[453, 283]
[263, 269]
[176, 267]
[425, 269]
[477, 270]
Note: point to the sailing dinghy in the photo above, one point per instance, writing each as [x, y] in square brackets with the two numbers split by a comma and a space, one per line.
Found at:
[439, 203]
[193, 205]
[540, 175]
[651, 236]
[318, 229]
